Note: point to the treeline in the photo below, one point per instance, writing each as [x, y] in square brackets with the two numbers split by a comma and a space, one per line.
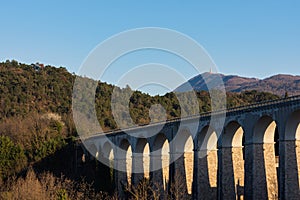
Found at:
[25, 89]
[36, 117]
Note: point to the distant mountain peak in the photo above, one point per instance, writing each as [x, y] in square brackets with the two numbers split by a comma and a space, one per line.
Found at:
[277, 84]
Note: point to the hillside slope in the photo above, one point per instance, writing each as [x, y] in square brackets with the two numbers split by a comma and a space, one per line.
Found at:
[36, 121]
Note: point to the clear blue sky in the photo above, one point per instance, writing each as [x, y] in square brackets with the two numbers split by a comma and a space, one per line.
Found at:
[247, 38]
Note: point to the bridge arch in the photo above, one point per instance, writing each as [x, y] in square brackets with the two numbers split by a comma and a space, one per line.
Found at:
[207, 139]
[207, 163]
[265, 178]
[107, 149]
[292, 129]
[291, 154]
[264, 130]
[89, 158]
[108, 154]
[140, 145]
[160, 161]
[141, 160]
[124, 156]
[158, 141]
[105, 176]
[181, 138]
[93, 151]
[232, 161]
[183, 160]
[233, 135]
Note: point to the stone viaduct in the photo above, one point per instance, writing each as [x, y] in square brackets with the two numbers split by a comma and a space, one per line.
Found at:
[254, 155]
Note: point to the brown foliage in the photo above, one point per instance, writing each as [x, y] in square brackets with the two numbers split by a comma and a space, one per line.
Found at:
[147, 190]
[143, 191]
[24, 130]
[46, 186]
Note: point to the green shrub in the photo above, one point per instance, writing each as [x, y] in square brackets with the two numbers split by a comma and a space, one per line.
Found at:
[12, 157]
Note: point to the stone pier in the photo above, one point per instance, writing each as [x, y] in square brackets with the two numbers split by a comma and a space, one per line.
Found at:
[231, 173]
[207, 174]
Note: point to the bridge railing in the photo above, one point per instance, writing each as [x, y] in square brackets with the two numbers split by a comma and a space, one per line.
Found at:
[207, 114]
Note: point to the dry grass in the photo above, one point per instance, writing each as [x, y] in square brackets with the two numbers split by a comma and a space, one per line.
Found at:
[146, 190]
[48, 187]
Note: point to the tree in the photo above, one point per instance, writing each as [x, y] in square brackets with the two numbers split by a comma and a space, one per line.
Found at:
[12, 157]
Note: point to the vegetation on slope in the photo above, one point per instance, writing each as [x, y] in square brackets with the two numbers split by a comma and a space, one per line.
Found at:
[36, 116]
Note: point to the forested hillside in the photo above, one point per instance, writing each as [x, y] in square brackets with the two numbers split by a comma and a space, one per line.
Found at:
[25, 90]
[36, 116]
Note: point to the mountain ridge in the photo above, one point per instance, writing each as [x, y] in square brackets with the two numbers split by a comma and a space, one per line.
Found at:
[280, 84]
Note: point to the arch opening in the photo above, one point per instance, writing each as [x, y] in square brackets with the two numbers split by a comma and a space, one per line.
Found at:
[126, 155]
[165, 156]
[143, 165]
[184, 160]
[108, 154]
[292, 131]
[233, 158]
[208, 162]
[189, 163]
[105, 176]
[93, 152]
[292, 155]
[160, 161]
[265, 157]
